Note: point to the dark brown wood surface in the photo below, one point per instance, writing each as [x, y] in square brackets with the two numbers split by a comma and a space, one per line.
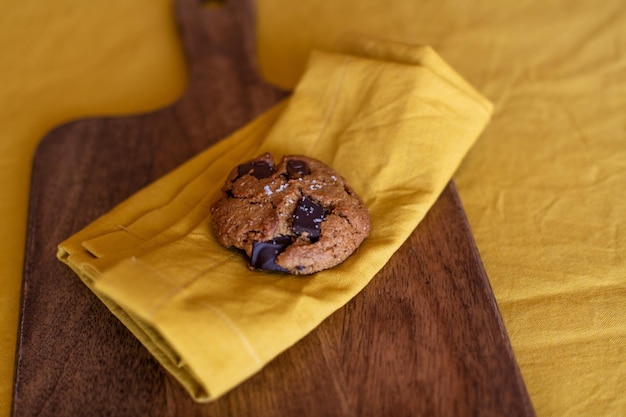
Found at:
[424, 338]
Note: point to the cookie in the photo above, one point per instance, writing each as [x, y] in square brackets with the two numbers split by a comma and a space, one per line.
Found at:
[299, 216]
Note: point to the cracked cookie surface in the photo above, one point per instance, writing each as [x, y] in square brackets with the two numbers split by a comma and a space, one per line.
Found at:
[298, 216]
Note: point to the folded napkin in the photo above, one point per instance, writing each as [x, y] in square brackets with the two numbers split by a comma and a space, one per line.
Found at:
[395, 120]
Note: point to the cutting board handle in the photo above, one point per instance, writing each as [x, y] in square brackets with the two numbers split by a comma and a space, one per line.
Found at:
[218, 38]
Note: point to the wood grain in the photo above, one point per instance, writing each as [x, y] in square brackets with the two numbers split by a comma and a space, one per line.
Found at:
[424, 338]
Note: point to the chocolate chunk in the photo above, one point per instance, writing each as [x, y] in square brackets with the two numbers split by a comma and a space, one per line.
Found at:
[258, 169]
[264, 254]
[307, 218]
[297, 169]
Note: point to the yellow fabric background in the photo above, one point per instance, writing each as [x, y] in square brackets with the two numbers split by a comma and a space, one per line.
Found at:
[543, 187]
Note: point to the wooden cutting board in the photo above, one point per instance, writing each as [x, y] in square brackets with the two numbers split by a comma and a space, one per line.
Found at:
[425, 337]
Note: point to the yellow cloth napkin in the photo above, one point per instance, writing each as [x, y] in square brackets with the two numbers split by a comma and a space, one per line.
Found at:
[393, 119]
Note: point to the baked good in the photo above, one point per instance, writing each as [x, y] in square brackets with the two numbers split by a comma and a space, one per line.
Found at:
[298, 216]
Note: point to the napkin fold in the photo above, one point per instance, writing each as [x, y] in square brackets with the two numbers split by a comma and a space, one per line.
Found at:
[395, 120]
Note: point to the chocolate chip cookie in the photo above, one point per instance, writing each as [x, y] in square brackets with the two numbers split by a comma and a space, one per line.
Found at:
[299, 216]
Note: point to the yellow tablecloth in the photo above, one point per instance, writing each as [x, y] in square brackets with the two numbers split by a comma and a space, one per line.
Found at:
[543, 188]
